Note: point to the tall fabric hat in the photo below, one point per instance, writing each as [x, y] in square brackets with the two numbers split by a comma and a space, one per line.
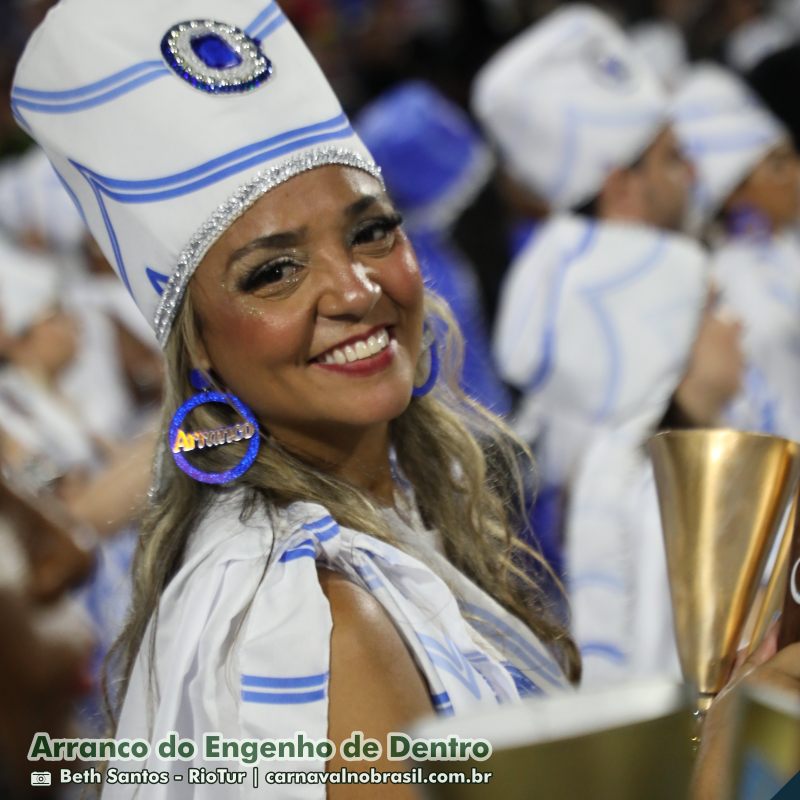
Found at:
[724, 130]
[166, 121]
[433, 159]
[567, 102]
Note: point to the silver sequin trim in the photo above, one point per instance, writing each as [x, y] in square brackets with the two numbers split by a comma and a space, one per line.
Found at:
[232, 209]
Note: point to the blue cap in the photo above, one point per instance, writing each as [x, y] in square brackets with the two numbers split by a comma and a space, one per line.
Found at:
[434, 161]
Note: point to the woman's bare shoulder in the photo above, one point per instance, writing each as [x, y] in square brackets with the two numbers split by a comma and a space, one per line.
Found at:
[375, 685]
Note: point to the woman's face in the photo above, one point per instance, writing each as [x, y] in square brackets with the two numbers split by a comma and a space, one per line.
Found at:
[773, 187]
[311, 308]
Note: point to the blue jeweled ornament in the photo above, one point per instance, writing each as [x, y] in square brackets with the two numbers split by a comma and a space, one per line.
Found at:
[215, 57]
[215, 52]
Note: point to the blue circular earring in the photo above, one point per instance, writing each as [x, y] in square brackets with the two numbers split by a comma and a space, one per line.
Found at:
[181, 441]
[431, 353]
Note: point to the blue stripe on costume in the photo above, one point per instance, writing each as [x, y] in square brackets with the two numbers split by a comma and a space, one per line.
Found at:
[442, 704]
[451, 660]
[492, 627]
[525, 686]
[304, 549]
[324, 529]
[322, 522]
[299, 682]
[594, 296]
[369, 575]
[284, 694]
[605, 649]
[289, 699]
[606, 580]
[545, 365]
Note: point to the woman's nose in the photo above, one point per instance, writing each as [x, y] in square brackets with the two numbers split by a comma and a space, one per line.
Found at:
[349, 290]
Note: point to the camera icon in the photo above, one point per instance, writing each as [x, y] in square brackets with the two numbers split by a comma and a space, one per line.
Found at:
[41, 779]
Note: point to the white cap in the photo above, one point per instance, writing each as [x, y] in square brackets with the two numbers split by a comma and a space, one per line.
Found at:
[725, 131]
[166, 121]
[567, 102]
[663, 46]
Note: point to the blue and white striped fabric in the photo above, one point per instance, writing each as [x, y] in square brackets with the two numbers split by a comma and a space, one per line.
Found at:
[595, 325]
[147, 157]
[245, 650]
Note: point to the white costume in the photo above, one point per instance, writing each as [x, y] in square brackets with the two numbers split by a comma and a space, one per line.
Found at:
[597, 321]
[726, 131]
[244, 650]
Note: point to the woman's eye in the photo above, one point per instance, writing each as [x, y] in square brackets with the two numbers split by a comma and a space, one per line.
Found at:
[378, 231]
[276, 272]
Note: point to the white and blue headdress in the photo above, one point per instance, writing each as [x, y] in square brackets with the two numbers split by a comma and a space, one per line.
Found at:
[725, 131]
[567, 102]
[166, 121]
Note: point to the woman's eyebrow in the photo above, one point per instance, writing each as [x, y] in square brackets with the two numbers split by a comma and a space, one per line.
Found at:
[274, 241]
[361, 205]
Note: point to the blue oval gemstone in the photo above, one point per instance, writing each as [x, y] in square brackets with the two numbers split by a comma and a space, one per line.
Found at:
[215, 52]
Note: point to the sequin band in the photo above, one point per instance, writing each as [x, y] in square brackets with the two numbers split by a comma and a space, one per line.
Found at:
[232, 209]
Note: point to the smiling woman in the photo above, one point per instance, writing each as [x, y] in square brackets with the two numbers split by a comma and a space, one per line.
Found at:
[318, 267]
[353, 564]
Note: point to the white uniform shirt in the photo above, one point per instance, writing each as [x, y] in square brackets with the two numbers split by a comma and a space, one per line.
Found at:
[242, 643]
[596, 326]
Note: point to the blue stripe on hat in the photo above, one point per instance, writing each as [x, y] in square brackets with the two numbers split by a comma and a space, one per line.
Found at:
[89, 88]
[262, 16]
[97, 100]
[208, 166]
[267, 155]
[140, 75]
[270, 27]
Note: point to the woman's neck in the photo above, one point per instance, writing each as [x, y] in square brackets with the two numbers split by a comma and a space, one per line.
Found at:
[360, 457]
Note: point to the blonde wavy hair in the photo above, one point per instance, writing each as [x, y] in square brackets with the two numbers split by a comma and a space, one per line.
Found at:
[465, 465]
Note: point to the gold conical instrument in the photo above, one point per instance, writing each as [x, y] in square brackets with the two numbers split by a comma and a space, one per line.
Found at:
[723, 495]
